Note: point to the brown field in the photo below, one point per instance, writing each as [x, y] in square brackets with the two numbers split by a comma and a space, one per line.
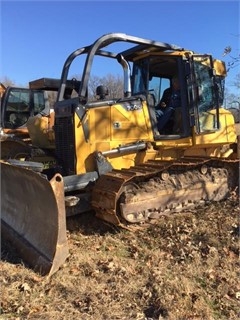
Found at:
[185, 266]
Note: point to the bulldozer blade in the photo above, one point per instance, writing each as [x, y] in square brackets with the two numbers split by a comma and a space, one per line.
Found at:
[33, 217]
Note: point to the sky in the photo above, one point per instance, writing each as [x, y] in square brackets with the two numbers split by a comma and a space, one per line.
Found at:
[38, 36]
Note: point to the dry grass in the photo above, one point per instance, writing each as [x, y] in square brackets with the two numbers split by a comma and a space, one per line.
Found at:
[183, 267]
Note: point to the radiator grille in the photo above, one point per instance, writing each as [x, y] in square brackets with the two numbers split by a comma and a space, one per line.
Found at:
[65, 144]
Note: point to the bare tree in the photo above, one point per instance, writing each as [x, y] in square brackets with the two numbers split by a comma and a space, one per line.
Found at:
[236, 83]
[231, 98]
[7, 82]
[114, 83]
[234, 61]
[94, 82]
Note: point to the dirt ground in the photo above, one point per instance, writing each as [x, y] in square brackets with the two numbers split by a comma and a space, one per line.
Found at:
[185, 266]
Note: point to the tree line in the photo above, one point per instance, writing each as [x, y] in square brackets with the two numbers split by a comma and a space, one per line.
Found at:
[114, 83]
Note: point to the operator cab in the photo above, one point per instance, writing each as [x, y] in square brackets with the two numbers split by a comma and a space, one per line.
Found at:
[198, 92]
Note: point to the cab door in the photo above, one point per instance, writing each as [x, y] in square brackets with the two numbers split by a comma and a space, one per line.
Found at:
[203, 95]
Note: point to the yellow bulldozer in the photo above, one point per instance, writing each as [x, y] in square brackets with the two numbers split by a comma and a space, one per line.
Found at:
[111, 156]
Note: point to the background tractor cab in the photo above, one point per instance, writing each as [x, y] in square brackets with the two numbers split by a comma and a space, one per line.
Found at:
[18, 104]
